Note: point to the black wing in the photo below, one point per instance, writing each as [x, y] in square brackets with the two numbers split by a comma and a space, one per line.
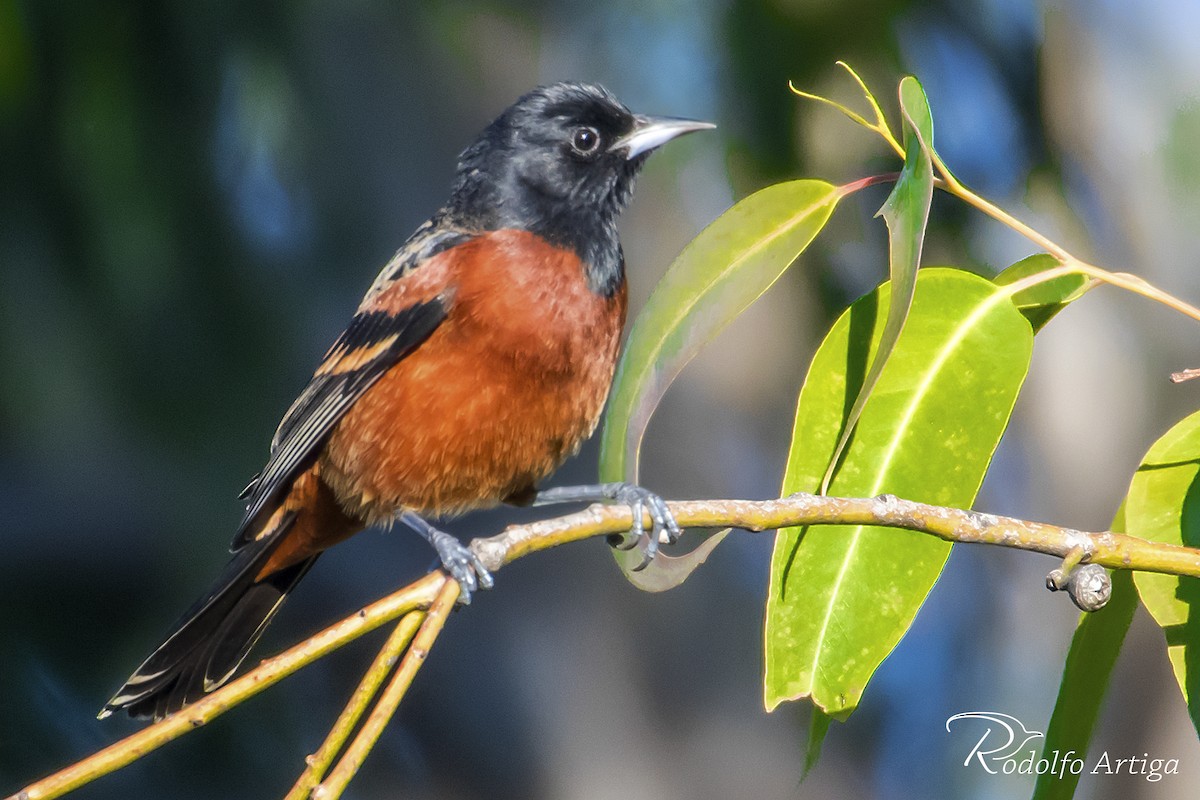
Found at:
[372, 343]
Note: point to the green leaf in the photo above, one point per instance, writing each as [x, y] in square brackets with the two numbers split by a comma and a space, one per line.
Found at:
[667, 572]
[1094, 650]
[716, 277]
[841, 597]
[818, 726]
[906, 212]
[1039, 303]
[1163, 505]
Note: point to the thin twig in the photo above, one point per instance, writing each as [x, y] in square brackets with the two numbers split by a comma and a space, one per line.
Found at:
[1123, 280]
[333, 786]
[1185, 375]
[381, 667]
[110, 759]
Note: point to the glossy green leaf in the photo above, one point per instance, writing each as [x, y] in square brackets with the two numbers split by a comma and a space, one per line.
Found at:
[1041, 302]
[841, 597]
[716, 277]
[818, 727]
[1086, 674]
[906, 212]
[1163, 505]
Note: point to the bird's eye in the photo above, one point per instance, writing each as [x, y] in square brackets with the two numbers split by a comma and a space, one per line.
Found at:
[585, 141]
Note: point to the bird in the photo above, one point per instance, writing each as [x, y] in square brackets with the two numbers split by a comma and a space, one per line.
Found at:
[479, 359]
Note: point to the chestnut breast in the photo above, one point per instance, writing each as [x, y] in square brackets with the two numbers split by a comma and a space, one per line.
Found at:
[508, 386]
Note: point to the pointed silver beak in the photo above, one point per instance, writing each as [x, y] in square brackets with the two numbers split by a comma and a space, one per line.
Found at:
[651, 132]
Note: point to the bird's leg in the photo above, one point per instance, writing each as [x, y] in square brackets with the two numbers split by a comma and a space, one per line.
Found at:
[663, 528]
[457, 559]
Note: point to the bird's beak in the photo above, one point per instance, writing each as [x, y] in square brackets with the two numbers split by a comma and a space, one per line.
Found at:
[651, 132]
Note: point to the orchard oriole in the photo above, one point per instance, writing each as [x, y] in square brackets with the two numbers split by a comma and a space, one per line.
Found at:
[479, 359]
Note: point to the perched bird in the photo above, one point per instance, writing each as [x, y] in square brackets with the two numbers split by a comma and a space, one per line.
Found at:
[479, 359]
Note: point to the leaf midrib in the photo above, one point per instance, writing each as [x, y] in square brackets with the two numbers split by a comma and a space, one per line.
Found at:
[918, 397]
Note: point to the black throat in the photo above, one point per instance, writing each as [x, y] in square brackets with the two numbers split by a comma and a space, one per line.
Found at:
[591, 236]
[582, 219]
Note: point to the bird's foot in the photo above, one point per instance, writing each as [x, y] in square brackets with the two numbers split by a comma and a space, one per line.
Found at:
[462, 564]
[457, 559]
[663, 526]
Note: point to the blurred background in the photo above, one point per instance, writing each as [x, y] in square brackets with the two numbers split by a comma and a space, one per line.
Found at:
[194, 196]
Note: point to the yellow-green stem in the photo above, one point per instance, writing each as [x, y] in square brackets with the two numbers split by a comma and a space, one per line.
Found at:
[1122, 280]
[332, 787]
[381, 667]
[110, 759]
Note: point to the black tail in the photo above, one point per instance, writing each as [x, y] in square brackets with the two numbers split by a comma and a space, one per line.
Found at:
[210, 639]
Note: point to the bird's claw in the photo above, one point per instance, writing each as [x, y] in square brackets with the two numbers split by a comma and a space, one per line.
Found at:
[663, 525]
[463, 565]
[625, 544]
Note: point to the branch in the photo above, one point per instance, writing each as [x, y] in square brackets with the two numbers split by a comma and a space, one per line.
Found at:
[1122, 280]
[385, 706]
[416, 595]
[1113, 550]
[319, 762]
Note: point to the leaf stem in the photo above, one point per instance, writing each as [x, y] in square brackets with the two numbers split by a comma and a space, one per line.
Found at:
[862, 183]
[1122, 280]
[955, 187]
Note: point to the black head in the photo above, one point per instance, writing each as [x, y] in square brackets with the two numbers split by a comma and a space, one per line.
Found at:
[561, 162]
